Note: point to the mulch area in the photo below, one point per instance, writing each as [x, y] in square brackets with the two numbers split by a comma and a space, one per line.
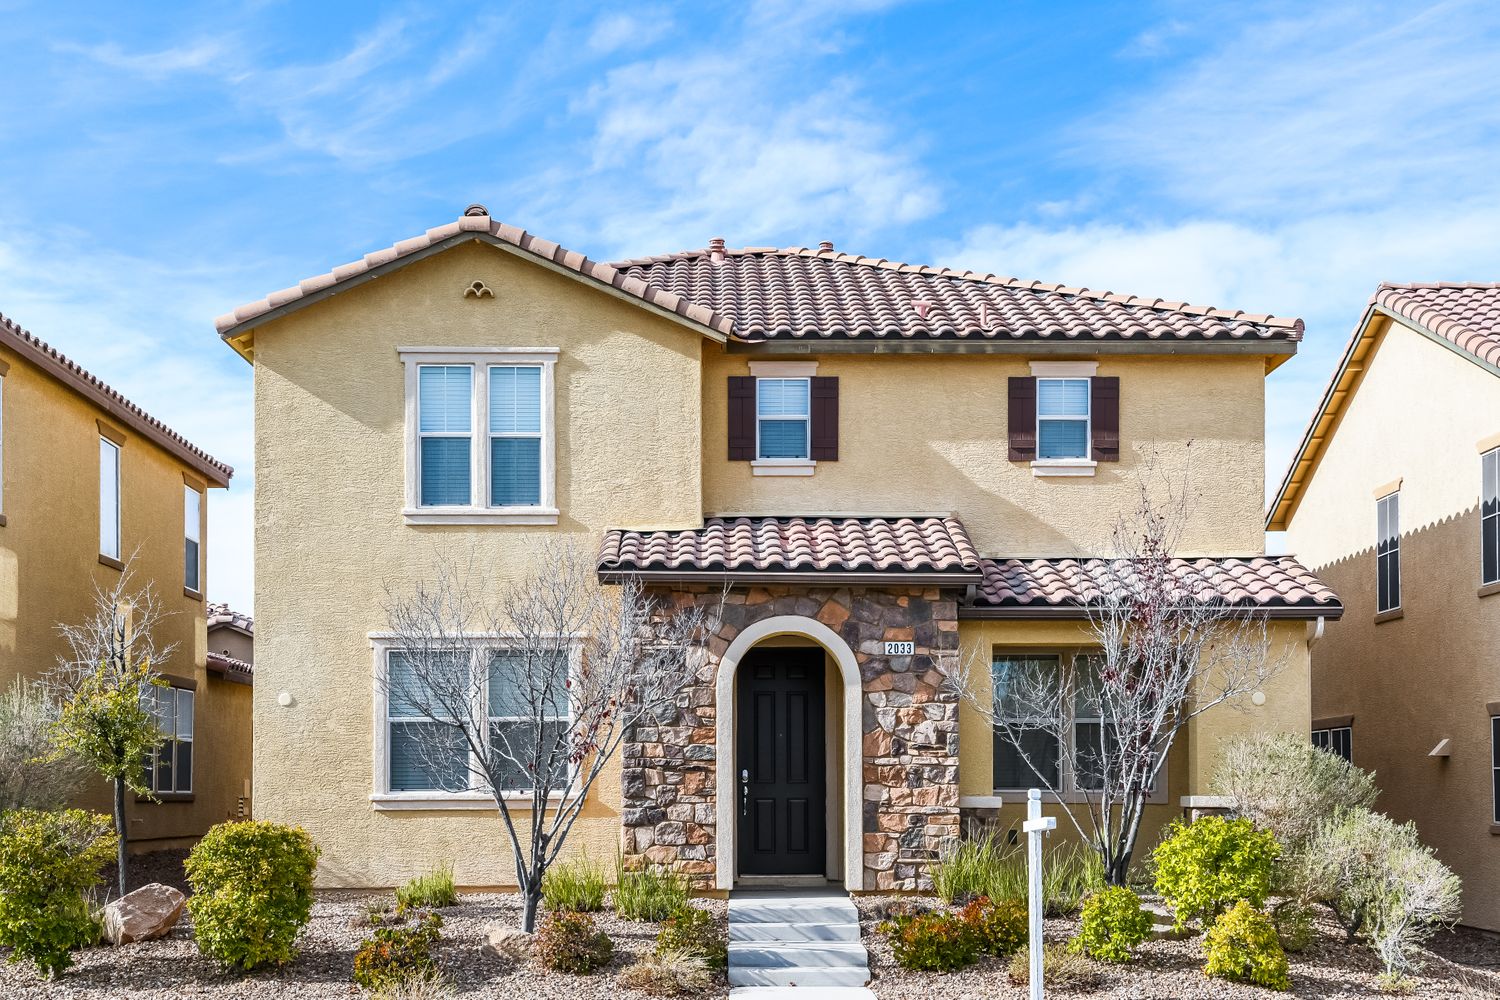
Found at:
[1462, 964]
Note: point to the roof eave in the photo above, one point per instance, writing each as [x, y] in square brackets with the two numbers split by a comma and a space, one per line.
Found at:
[1078, 612]
[1272, 348]
[806, 577]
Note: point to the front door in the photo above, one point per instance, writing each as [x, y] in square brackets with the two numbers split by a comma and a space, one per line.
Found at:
[780, 763]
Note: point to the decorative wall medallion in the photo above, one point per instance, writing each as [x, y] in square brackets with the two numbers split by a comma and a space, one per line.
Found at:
[478, 290]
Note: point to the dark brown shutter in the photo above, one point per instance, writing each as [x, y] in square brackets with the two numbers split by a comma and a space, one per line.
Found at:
[825, 419]
[741, 418]
[1021, 418]
[1104, 408]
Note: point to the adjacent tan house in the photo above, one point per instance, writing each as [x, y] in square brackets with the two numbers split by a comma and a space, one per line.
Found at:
[1394, 499]
[886, 464]
[88, 482]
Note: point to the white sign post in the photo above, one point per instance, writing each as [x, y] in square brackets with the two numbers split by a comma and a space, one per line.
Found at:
[1036, 827]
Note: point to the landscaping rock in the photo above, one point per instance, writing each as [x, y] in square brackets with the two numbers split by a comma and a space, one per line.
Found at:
[148, 913]
[510, 943]
[1162, 919]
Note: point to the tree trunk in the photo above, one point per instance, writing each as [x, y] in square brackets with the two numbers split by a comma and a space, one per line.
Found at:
[120, 833]
[533, 895]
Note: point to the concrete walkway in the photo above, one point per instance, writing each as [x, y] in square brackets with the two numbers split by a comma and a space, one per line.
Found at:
[800, 944]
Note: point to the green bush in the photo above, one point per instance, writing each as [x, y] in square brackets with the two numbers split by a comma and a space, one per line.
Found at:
[48, 861]
[654, 892]
[1242, 946]
[252, 891]
[431, 891]
[1294, 925]
[932, 942]
[694, 932]
[569, 942]
[576, 885]
[987, 866]
[393, 955]
[1205, 867]
[998, 928]
[1062, 970]
[1113, 925]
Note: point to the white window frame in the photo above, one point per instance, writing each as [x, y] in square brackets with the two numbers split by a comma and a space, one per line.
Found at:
[381, 797]
[1327, 739]
[116, 451]
[1393, 497]
[174, 738]
[480, 360]
[785, 371]
[192, 529]
[1488, 523]
[1051, 370]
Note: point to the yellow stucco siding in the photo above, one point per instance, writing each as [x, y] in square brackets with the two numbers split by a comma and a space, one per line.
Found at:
[49, 568]
[330, 405]
[927, 433]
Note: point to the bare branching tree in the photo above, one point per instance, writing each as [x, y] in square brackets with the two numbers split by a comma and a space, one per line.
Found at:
[1096, 732]
[106, 686]
[525, 690]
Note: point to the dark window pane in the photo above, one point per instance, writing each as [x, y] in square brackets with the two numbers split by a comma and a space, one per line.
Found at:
[427, 756]
[190, 568]
[184, 766]
[1343, 743]
[1489, 533]
[164, 767]
[518, 754]
[1041, 751]
[1320, 739]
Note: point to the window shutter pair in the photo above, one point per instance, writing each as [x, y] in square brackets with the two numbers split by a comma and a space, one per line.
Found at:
[825, 419]
[1104, 418]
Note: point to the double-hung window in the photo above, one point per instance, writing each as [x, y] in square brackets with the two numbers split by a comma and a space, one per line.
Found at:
[109, 499]
[783, 418]
[1388, 553]
[1062, 418]
[1037, 760]
[1489, 518]
[170, 768]
[480, 440]
[524, 693]
[1495, 766]
[192, 522]
[1337, 740]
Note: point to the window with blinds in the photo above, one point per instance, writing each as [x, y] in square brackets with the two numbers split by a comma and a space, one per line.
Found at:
[515, 405]
[170, 768]
[445, 408]
[783, 421]
[1062, 417]
[109, 498]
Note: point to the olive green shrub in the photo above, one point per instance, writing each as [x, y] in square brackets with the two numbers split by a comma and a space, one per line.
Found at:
[48, 862]
[1112, 926]
[252, 892]
[1207, 866]
[1242, 946]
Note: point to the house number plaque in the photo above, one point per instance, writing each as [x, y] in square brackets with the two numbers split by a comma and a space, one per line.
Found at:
[900, 648]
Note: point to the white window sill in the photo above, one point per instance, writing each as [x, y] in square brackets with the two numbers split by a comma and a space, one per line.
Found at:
[1063, 467]
[783, 467]
[480, 515]
[456, 801]
[981, 801]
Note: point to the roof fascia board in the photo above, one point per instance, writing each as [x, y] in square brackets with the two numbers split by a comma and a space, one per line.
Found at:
[1078, 612]
[1068, 348]
[807, 577]
[240, 329]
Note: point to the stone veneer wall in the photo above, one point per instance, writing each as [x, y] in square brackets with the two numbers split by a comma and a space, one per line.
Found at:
[909, 746]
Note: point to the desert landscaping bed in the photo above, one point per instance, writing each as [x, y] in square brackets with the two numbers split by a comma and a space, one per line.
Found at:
[1461, 963]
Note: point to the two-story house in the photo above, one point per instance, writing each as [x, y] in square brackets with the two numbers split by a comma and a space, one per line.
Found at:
[89, 482]
[1394, 496]
[886, 464]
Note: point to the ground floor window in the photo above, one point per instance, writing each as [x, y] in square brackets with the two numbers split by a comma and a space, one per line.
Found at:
[170, 768]
[1337, 740]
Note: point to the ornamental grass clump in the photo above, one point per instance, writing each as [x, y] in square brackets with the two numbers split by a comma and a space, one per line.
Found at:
[48, 862]
[578, 886]
[1205, 867]
[1062, 970]
[1113, 925]
[569, 942]
[653, 892]
[694, 932]
[1242, 946]
[252, 891]
[431, 891]
[393, 955]
[669, 973]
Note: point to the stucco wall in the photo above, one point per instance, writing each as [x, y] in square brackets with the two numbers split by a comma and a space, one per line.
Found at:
[927, 433]
[329, 403]
[1418, 415]
[49, 567]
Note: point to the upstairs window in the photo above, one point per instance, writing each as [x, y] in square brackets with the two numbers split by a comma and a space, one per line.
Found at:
[515, 435]
[783, 411]
[192, 520]
[170, 769]
[445, 408]
[109, 499]
[1062, 418]
[1337, 740]
[1489, 517]
[1388, 553]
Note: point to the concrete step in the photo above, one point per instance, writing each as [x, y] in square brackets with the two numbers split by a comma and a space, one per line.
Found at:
[801, 993]
[800, 978]
[786, 909]
[793, 933]
[784, 955]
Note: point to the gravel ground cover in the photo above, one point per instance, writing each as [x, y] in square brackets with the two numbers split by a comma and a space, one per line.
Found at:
[1461, 964]
[172, 968]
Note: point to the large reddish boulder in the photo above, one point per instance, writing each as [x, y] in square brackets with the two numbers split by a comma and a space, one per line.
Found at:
[149, 912]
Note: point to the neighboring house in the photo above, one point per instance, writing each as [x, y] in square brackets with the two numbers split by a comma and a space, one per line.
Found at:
[231, 657]
[888, 464]
[1394, 497]
[88, 482]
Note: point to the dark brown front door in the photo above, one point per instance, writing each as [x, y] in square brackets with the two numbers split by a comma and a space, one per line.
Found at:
[780, 763]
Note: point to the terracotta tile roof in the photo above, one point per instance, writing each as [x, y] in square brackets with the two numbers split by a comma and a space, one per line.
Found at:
[1465, 313]
[96, 390]
[1277, 585]
[220, 613]
[474, 222]
[231, 669]
[795, 293]
[760, 545]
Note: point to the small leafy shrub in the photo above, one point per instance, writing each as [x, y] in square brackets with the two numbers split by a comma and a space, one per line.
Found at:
[252, 891]
[1113, 925]
[654, 892]
[692, 931]
[431, 891]
[1204, 867]
[48, 862]
[393, 955]
[669, 973]
[569, 942]
[373, 915]
[1294, 926]
[577, 885]
[1061, 968]
[932, 942]
[1242, 947]
[997, 928]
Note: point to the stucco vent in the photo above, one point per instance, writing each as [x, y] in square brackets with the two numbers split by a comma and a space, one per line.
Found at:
[478, 290]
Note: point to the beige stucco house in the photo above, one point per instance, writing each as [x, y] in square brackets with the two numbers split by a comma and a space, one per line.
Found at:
[886, 464]
[88, 483]
[1394, 499]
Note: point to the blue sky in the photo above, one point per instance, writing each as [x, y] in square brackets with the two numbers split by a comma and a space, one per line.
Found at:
[163, 165]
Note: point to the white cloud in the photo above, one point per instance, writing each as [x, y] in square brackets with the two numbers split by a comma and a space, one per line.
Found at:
[193, 56]
[635, 30]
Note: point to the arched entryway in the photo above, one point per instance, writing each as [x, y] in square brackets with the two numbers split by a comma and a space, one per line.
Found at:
[844, 838]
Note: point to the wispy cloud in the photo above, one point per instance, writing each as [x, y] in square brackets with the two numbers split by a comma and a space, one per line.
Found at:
[634, 29]
[196, 55]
